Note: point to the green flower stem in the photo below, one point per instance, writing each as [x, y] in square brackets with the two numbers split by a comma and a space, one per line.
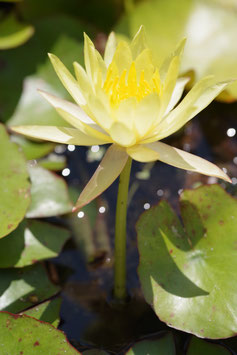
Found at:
[120, 234]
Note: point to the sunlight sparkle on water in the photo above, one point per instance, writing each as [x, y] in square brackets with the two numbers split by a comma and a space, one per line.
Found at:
[71, 147]
[80, 214]
[102, 209]
[95, 148]
[66, 172]
[146, 206]
[231, 132]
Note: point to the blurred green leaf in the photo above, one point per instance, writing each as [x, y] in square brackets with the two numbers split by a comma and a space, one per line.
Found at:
[49, 194]
[30, 242]
[210, 27]
[47, 311]
[32, 150]
[14, 33]
[21, 289]
[163, 346]
[21, 334]
[198, 346]
[19, 63]
[53, 162]
[188, 273]
[14, 185]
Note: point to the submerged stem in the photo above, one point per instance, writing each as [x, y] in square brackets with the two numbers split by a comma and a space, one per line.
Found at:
[120, 234]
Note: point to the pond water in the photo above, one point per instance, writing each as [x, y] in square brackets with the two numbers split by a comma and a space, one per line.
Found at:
[85, 267]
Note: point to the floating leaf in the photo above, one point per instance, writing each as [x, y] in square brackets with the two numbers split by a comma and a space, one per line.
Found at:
[13, 33]
[198, 346]
[188, 273]
[33, 150]
[49, 195]
[47, 311]
[30, 242]
[14, 185]
[20, 289]
[209, 25]
[53, 162]
[21, 334]
[162, 346]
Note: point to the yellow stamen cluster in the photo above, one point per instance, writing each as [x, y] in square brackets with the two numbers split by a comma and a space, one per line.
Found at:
[126, 85]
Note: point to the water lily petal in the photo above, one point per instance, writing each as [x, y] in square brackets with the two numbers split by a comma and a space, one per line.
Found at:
[108, 170]
[170, 82]
[177, 93]
[144, 64]
[122, 135]
[195, 101]
[83, 80]
[110, 48]
[138, 43]
[178, 158]
[122, 57]
[95, 66]
[147, 114]
[74, 115]
[58, 134]
[177, 53]
[98, 106]
[67, 80]
[142, 153]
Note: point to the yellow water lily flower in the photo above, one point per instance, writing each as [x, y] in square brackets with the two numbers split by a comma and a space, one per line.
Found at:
[126, 100]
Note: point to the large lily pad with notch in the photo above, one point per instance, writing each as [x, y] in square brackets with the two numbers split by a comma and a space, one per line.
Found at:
[210, 27]
[14, 185]
[21, 289]
[163, 346]
[188, 271]
[21, 334]
[30, 242]
[49, 194]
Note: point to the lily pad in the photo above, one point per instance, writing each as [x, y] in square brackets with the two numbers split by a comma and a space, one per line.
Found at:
[47, 311]
[33, 150]
[208, 25]
[53, 162]
[14, 33]
[30, 242]
[198, 346]
[49, 194]
[163, 346]
[21, 334]
[14, 185]
[187, 271]
[21, 289]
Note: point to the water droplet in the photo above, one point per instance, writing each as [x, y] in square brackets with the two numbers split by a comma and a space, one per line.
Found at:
[95, 148]
[102, 209]
[231, 132]
[80, 214]
[71, 147]
[66, 172]
[146, 206]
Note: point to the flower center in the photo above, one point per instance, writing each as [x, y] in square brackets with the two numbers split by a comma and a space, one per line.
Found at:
[126, 85]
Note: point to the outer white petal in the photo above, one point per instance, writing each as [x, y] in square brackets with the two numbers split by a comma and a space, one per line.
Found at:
[58, 134]
[67, 80]
[74, 115]
[195, 101]
[110, 48]
[176, 157]
[108, 170]
[177, 93]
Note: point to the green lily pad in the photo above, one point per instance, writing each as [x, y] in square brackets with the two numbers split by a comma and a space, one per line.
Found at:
[95, 352]
[198, 346]
[207, 24]
[14, 185]
[30, 242]
[187, 272]
[163, 346]
[21, 334]
[14, 33]
[33, 150]
[47, 311]
[53, 162]
[49, 194]
[21, 289]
